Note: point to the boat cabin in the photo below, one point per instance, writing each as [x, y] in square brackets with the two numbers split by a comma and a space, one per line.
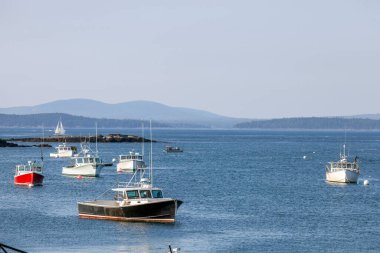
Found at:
[138, 193]
[342, 165]
[30, 167]
[131, 156]
[87, 160]
[66, 148]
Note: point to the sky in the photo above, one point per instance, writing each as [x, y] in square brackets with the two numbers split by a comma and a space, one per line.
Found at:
[252, 59]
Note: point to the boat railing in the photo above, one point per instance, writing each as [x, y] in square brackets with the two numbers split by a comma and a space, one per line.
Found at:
[119, 194]
[337, 166]
[32, 168]
[129, 184]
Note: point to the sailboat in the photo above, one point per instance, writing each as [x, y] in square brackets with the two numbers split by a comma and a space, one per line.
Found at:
[136, 200]
[59, 130]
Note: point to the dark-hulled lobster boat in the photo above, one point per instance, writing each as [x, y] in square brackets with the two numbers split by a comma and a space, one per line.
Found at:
[133, 204]
[136, 200]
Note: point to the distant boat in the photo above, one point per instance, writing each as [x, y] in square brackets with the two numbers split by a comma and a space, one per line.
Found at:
[29, 174]
[343, 171]
[64, 151]
[86, 163]
[59, 130]
[131, 162]
[136, 200]
[169, 149]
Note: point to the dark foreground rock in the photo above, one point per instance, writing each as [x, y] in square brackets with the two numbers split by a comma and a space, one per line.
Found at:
[44, 145]
[5, 144]
[101, 138]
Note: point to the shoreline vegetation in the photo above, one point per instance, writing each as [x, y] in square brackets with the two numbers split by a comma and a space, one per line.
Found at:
[49, 120]
[312, 123]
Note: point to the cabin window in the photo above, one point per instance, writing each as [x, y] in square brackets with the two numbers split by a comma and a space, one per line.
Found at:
[91, 160]
[133, 194]
[123, 157]
[157, 194]
[145, 194]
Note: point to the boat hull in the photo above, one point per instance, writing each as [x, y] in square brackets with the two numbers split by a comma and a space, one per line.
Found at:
[342, 176]
[130, 166]
[29, 179]
[162, 211]
[66, 154]
[87, 170]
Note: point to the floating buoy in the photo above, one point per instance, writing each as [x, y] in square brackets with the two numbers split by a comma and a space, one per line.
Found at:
[366, 182]
[80, 177]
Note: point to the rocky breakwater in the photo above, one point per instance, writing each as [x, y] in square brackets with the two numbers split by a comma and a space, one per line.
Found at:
[99, 138]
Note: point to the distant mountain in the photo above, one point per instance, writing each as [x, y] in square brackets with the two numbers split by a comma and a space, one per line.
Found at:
[313, 123]
[49, 120]
[138, 110]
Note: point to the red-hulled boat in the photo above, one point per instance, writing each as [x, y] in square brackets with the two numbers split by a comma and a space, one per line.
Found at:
[29, 174]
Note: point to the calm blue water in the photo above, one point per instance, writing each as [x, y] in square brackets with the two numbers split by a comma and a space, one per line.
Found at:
[246, 191]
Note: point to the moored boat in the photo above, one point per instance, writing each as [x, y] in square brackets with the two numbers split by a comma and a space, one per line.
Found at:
[29, 174]
[86, 163]
[343, 171]
[131, 162]
[135, 200]
[170, 149]
[64, 151]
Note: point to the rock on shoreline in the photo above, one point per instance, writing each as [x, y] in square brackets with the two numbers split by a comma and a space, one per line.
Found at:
[5, 144]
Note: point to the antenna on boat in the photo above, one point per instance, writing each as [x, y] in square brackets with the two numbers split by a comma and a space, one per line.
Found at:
[41, 144]
[151, 153]
[96, 137]
[143, 139]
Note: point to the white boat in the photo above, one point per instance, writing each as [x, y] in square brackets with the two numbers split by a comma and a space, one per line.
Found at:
[59, 130]
[343, 171]
[64, 151]
[86, 163]
[131, 162]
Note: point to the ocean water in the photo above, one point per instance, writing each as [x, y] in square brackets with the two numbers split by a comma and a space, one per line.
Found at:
[243, 191]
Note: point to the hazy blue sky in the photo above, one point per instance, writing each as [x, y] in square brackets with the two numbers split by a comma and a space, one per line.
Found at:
[257, 59]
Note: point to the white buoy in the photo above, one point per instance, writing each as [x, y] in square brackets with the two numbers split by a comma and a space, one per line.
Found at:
[366, 182]
[304, 157]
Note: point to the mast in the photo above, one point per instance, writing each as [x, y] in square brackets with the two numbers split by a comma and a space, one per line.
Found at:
[143, 139]
[43, 140]
[62, 130]
[96, 137]
[151, 154]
